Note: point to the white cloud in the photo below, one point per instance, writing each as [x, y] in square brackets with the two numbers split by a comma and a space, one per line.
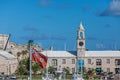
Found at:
[113, 9]
[45, 3]
[100, 46]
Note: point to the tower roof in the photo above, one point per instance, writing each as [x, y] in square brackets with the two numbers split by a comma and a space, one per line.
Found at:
[81, 26]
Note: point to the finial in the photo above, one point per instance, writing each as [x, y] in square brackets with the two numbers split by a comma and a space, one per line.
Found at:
[81, 26]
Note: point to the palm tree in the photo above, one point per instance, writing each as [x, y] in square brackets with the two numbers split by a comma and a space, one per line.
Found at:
[18, 56]
[24, 53]
[91, 73]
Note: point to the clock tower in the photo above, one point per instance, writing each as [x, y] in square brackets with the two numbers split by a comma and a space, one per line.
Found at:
[80, 41]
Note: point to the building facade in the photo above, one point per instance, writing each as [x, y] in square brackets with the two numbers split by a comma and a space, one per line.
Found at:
[9, 54]
[8, 63]
[101, 61]
[3, 40]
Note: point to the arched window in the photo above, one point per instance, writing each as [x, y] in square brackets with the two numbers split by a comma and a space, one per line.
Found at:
[81, 35]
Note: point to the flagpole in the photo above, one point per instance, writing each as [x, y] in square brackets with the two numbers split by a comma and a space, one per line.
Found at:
[30, 43]
[30, 64]
[46, 68]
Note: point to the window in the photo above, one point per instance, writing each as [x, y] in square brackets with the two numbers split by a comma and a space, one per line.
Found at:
[117, 61]
[108, 69]
[81, 35]
[98, 62]
[98, 70]
[63, 61]
[73, 61]
[1, 43]
[54, 62]
[108, 61]
[73, 70]
[117, 70]
[89, 61]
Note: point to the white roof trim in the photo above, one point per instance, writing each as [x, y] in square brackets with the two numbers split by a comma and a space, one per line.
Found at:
[87, 54]
[6, 55]
[58, 54]
[102, 54]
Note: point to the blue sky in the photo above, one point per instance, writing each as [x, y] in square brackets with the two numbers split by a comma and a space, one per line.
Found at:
[55, 22]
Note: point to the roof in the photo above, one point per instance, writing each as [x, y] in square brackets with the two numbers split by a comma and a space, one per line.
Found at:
[87, 53]
[81, 26]
[102, 54]
[59, 53]
[6, 55]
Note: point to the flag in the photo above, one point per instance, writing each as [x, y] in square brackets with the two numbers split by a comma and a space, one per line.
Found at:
[39, 58]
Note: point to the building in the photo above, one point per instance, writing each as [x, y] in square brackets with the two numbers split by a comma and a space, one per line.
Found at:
[8, 54]
[3, 40]
[101, 61]
[8, 63]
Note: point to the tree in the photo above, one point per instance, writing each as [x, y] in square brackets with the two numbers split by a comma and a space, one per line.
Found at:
[18, 56]
[91, 73]
[24, 53]
[67, 70]
[51, 69]
[35, 68]
[21, 70]
[83, 70]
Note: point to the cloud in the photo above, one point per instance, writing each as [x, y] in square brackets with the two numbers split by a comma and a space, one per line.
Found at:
[64, 5]
[43, 37]
[91, 38]
[58, 38]
[45, 3]
[30, 28]
[36, 37]
[86, 7]
[113, 9]
[98, 12]
[100, 46]
[107, 26]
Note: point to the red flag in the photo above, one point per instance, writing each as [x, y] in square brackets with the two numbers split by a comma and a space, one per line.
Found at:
[39, 58]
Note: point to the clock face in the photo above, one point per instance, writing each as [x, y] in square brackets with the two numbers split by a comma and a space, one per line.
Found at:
[81, 43]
